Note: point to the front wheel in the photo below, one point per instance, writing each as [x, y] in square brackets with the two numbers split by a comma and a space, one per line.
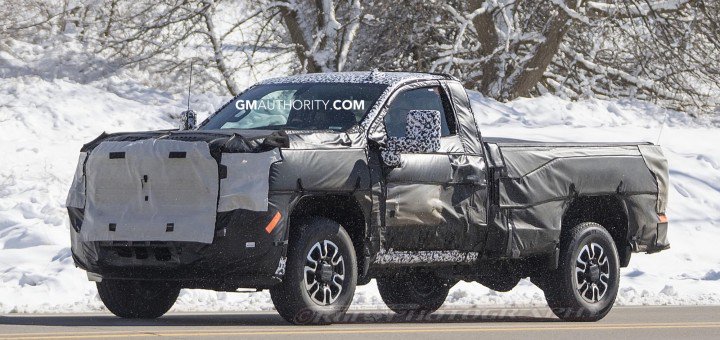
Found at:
[138, 299]
[585, 284]
[321, 274]
[413, 291]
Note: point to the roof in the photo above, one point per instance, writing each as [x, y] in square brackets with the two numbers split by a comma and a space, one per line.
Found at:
[366, 77]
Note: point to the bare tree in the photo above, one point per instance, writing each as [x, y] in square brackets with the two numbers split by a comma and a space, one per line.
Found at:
[659, 51]
[664, 51]
[503, 48]
[652, 50]
[322, 32]
[168, 35]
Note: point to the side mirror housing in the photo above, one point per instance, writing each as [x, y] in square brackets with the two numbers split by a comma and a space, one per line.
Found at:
[422, 135]
[188, 120]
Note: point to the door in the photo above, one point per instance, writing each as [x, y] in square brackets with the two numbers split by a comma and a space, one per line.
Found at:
[425, 203]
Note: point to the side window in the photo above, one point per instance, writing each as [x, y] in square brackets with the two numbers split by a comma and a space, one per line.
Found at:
[425, 98]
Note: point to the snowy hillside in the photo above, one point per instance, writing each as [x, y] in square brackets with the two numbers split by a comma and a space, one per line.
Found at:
[44, 122]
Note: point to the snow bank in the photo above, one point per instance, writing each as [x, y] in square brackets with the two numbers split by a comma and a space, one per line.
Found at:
[43, 123]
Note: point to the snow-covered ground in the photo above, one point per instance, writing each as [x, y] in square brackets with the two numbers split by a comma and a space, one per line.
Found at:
[44, 121]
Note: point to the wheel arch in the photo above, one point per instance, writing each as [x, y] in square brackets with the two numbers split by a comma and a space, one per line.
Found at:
[607, 210]
[341, 208]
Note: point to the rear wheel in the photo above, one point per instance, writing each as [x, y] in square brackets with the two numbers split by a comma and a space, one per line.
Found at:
[585, 284]
[413, 291]
[138, 299]
[321, 274]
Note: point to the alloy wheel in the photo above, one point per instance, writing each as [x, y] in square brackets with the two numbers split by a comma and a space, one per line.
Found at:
[324, 272]
[592, 272]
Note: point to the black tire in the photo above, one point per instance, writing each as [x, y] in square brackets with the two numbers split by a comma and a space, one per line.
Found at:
[413, 291]
[589, 293]
[308, 296]
[138, 299]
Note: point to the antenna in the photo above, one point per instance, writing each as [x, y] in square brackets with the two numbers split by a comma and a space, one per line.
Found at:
[189, 85]
[189, 118]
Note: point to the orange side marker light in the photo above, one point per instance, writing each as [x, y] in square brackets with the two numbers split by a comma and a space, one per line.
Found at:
[663, 218]
[273, 223]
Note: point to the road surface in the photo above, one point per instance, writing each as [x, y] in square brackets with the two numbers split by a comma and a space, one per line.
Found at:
[449, 324]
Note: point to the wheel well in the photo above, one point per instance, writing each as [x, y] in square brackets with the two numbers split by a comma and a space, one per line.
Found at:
[608, 211]
[343, 209]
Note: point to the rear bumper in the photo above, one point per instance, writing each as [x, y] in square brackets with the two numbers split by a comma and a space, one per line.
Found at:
[242, 255]
[660, 241]
[652, 239]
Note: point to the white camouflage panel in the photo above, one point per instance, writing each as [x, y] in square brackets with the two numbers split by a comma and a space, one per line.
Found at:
[248, 179]
[137, 191]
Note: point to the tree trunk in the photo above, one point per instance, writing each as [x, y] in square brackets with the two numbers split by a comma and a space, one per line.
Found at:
[110, 21]
[349, 34]
[298, 39]
[218, 56]
[533, 70]
[488, 38]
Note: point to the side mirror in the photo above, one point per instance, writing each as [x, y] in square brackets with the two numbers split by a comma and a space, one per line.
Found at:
[422, 134]
[188, 120]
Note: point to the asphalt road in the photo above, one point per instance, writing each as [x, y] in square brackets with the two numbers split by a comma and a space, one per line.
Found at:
[473, 323]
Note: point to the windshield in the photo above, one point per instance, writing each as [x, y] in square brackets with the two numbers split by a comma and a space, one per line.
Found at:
[307, 106]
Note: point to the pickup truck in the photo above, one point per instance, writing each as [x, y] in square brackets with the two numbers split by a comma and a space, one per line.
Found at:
[310, 185]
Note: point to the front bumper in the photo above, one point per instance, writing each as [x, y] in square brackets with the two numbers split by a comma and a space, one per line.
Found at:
[243, 254]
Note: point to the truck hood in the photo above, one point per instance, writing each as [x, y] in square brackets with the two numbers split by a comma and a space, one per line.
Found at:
[219, 141]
